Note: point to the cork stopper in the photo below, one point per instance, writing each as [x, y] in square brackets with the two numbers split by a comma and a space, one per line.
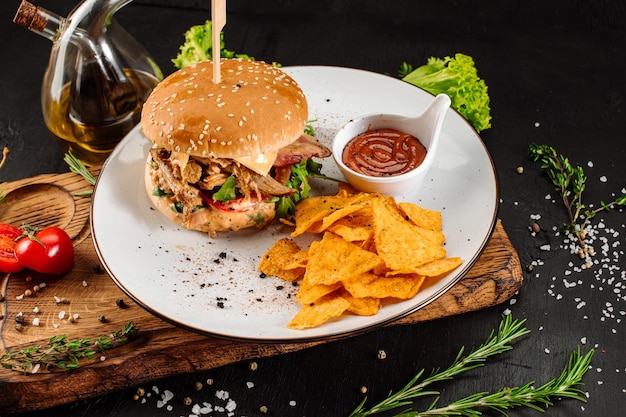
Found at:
[28, 15]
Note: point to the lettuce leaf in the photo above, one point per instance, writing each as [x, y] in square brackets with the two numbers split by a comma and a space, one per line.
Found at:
[458, 78]
[299, 181]
[198, 47]
[227, 191]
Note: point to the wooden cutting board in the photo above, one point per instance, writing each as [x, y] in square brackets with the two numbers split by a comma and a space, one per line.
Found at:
[161, 349]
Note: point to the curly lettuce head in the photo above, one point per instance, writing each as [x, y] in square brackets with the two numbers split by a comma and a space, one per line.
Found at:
[198, 47]
[458, 78]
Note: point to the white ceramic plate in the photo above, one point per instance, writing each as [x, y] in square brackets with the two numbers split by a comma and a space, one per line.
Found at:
[213, 285]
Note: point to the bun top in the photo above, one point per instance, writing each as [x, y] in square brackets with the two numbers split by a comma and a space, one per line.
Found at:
[256, 108]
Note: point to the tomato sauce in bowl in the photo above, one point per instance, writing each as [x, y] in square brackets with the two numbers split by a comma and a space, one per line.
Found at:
[390, 153]
[383, 153]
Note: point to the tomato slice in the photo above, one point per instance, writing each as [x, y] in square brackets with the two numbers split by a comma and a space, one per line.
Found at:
[8, 259]
[237, 205]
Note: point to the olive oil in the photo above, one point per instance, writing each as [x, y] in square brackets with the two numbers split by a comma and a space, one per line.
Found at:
[89, 123]
[97, 79]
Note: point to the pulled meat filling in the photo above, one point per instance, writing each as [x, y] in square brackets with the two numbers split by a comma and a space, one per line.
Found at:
[185, 179]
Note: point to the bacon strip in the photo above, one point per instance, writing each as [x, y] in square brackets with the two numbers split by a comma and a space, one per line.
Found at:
[306, 146]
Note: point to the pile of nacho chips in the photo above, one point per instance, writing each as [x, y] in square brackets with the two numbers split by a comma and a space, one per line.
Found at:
[371, 249]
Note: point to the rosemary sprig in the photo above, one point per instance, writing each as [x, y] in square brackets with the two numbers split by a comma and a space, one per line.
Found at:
[570, 182]
[64, 354]
[497, 342]
[77, 167]
[539, 398]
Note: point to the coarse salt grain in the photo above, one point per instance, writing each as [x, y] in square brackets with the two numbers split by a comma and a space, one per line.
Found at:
[231, 405]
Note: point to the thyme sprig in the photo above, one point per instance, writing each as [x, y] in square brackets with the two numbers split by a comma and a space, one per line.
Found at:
[60, 353]
[77, 167]
[506, 398]
[570, 181]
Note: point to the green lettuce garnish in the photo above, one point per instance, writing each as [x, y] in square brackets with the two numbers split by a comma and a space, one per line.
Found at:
[198, 47]
[299, 181]
[227, 191]
[458, 78]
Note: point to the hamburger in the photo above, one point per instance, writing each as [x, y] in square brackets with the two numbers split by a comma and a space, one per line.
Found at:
[223, 152]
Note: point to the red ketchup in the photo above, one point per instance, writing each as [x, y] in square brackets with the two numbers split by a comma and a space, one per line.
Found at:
[383, 153]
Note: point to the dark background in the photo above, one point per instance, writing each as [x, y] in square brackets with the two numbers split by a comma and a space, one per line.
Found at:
[555, 75]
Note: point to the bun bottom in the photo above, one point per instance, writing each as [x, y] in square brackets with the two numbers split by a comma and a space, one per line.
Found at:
[208, 219]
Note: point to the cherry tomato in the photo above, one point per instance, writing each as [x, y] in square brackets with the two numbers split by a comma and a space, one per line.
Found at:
[8, 260]
[49, 250]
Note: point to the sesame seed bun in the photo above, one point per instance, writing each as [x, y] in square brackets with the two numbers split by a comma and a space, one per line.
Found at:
[256, 108]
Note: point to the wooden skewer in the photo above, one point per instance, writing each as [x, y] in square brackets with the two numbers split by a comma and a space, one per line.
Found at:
[218, 18]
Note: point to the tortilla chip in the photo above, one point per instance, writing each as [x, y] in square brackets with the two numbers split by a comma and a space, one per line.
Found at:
[401, 286]
[367, 306]
[353, 229]
[333, 259]
[298, 260]
[403, 246]
[439, 267]
[315, 209]
[344, 188]
[277, 257]
[309, 293]
[419, 216]
[313, 315]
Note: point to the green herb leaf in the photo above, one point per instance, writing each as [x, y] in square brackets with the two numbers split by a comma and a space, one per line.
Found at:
[458, 78]
[159, 192]
[77, 167]
[227, 191]
[299, 181]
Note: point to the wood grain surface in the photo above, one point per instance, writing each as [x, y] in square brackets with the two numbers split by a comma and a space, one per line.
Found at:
[86, 293]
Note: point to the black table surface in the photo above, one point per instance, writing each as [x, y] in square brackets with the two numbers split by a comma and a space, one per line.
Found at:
[555, 74]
